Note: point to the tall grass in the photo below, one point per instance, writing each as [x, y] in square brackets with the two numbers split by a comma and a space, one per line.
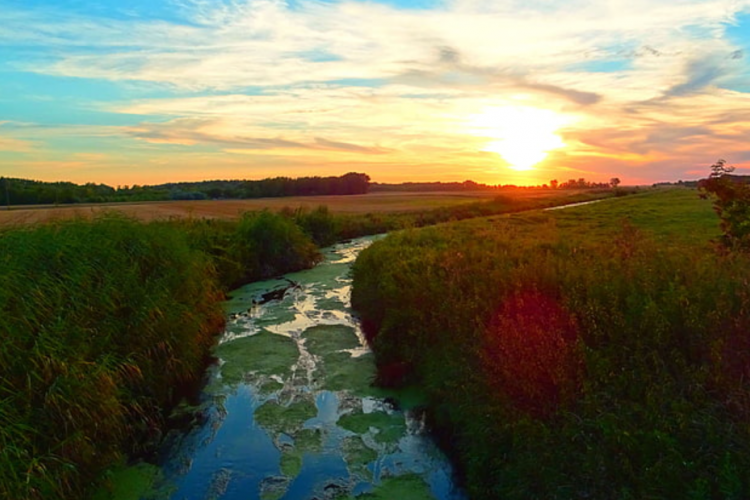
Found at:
[564, 362]
[103, 326]
[325, 227]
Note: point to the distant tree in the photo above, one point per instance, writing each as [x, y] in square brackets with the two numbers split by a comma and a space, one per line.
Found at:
[731, 196]
[6, 191]
[553, 183]
[614, 182]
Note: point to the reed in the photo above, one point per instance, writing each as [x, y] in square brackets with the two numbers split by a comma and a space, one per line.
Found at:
[572, 354]
[105, 325]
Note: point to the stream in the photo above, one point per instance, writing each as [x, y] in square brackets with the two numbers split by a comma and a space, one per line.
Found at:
[288, 411]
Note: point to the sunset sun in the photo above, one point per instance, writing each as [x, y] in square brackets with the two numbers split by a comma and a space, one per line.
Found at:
[523, 135]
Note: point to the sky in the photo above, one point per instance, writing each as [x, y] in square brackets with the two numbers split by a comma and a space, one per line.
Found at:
[499, 92]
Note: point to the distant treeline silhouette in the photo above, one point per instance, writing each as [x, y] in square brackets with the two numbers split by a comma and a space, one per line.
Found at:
[431, 186]
[29, 192]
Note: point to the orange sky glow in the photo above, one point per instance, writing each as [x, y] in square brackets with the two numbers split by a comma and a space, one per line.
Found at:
[507, 92]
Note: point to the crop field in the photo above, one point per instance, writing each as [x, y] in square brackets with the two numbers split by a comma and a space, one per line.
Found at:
[388, 202]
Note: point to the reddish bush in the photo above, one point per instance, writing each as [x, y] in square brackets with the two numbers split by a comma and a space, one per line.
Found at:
[531, 352]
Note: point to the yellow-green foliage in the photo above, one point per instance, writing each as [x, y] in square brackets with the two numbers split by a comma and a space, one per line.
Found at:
[325, 227]
[652, 395]
[100, 323]
[259, 245]
[103, 324]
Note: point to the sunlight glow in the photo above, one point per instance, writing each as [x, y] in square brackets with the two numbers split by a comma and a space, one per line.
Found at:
[524, 134]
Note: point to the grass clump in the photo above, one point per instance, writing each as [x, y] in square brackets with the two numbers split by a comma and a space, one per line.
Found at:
[573, 354]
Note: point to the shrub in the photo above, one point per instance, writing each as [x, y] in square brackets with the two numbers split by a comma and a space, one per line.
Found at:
[732, 204]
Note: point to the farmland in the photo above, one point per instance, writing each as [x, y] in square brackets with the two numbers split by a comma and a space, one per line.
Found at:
[381, 202]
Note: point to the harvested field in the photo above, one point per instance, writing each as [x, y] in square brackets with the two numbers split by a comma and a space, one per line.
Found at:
[353, 204]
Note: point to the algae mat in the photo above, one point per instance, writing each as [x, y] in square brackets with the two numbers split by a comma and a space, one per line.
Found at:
[288, 411]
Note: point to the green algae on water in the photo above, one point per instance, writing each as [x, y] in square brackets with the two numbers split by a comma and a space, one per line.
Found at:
[132, 483]
[287, 419]
[344, 372]
[270, 386]
[388, 428]
[291, 463]
[324, 340]
[330, 304]
[305, 441]
[409, 486]
[265, 353]
[358, 456]
[308, 440]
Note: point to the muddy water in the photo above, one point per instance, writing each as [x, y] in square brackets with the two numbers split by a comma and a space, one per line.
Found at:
[289, 410]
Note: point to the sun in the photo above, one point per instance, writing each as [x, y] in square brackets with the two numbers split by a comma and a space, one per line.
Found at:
[523, 135]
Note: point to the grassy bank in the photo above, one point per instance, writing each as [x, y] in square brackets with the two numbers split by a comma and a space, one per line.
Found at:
[104, 324]
[593, 352]
[326, 227]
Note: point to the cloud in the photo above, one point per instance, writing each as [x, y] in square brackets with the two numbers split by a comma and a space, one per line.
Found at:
[576, 96]
[361, 78]
[228, 45]
[192, 131]
[345, 146]
[9, 144]
[702, 72]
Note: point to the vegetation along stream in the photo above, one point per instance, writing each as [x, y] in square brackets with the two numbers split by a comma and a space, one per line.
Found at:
[289, 412]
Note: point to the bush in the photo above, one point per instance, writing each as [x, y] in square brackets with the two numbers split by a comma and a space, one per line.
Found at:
[731, 202]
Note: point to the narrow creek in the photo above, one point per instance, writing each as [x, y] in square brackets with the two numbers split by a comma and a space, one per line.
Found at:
[289, 412]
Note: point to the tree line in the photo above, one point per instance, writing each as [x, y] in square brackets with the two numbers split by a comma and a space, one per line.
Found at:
[14, 191]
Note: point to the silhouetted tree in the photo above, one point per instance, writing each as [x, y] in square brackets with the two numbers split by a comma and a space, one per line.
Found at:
[731, 195]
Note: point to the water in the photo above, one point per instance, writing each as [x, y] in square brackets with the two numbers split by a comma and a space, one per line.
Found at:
[289, 411]
[572, 205]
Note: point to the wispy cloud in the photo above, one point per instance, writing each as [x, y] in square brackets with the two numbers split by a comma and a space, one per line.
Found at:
[643, 81]
[9, 144]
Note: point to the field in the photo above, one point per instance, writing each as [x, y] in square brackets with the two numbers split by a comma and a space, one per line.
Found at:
[388, 202]
[599, 351]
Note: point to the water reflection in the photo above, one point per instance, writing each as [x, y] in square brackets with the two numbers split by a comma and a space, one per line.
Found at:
[289, 410]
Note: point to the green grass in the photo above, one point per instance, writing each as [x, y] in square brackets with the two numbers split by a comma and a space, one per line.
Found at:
[598, 351]
[105, 325]
[668, 215]
[325, 227]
